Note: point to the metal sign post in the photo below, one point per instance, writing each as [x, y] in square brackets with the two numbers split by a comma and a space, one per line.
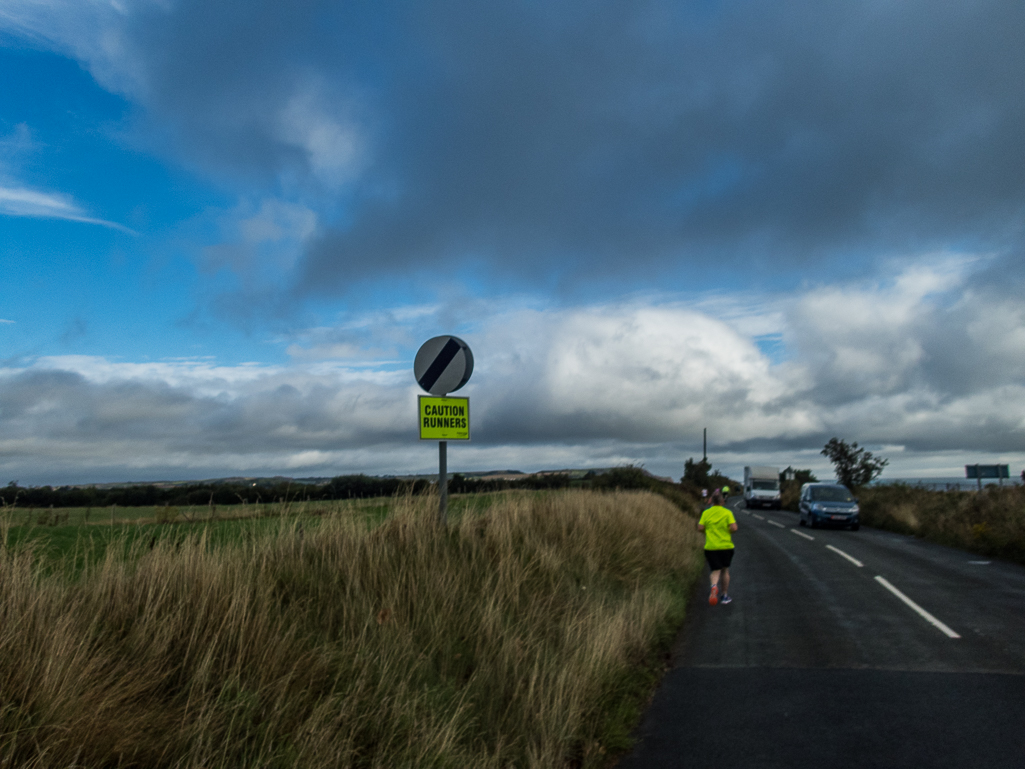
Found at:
[443, 482]
[443, 365]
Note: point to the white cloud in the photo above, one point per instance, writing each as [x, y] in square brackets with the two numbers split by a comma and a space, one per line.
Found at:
[20, 201]
[89, 30]
[343, 351]
[277, 221]
[582, 386]
[261, 237]
[18, 142]
[999, 329]
[334, 147]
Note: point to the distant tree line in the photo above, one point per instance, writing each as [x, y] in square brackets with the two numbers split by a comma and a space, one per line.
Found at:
[460, 484]
[626, 477]
[340, 487]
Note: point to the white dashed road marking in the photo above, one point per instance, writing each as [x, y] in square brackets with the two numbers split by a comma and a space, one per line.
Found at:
[922, 612]
[979, 563]
[838, 551]
[759, 517]
[882, 581]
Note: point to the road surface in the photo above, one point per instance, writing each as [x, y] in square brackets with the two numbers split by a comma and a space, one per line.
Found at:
[845, 649]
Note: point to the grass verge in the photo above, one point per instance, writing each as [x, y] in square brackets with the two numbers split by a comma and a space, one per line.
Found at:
[527, 634]
[990, 522]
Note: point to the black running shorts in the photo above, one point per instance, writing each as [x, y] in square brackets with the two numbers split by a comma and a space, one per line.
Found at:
[719, 559]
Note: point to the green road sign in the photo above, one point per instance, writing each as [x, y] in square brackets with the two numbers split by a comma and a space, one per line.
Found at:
[444, 419]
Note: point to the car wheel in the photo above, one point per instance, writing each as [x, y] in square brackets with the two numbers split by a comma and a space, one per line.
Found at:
[800, 521]
[855, 527]
[811, 522]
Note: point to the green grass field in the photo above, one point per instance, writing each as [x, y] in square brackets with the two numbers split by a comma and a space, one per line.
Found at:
[114, 516]
[527, 633]
[54, 534]
[79, 534]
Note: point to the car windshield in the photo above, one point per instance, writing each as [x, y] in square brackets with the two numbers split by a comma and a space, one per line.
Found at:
[765, 485]
[831, 494]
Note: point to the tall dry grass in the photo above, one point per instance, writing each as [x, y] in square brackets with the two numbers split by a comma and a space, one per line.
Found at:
[515, 638]
[990, 522]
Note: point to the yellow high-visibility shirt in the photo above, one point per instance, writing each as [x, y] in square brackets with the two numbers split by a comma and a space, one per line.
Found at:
[717, 520]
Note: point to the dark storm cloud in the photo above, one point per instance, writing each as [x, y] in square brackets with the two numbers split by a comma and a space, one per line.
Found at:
[536, 139]
[606, 138]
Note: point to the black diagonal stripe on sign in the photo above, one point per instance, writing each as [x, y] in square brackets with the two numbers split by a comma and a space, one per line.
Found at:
[448, 352]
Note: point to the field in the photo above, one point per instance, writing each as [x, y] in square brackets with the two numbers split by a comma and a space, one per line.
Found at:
[115, 516]
[76, 535]
[526, 634]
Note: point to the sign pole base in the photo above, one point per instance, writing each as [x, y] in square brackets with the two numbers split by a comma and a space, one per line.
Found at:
[443, 482]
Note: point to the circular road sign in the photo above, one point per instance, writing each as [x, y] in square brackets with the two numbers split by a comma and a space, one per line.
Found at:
[443, 364]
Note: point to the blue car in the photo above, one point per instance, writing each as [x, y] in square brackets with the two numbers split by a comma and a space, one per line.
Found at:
[829, 504]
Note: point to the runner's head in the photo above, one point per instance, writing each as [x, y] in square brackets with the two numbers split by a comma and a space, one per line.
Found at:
[717, 497]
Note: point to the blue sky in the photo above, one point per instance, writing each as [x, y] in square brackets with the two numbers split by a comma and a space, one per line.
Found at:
[224, 235]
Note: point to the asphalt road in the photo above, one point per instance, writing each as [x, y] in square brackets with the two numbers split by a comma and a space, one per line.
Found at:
[818, 662]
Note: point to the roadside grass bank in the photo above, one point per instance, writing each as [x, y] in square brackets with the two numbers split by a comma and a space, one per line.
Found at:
[527, 634]
[990, 522]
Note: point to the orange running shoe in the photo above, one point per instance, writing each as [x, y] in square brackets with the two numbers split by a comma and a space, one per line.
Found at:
[713, 597]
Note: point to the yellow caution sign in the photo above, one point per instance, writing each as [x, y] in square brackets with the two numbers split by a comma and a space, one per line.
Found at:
[444, 419]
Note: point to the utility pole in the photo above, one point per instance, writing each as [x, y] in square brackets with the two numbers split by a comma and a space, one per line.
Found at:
[704, 446]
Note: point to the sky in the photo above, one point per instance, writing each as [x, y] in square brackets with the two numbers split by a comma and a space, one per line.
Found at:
[226, 229]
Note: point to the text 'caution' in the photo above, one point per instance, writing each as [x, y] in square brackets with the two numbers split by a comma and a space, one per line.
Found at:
[444, 419]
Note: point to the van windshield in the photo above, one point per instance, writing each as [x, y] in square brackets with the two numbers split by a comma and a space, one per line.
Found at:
[765, 485]
[831, 494]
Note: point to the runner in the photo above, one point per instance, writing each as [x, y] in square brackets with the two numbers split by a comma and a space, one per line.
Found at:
[717, 522]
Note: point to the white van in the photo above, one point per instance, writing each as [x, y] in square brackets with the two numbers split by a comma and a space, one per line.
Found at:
[761, 487]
